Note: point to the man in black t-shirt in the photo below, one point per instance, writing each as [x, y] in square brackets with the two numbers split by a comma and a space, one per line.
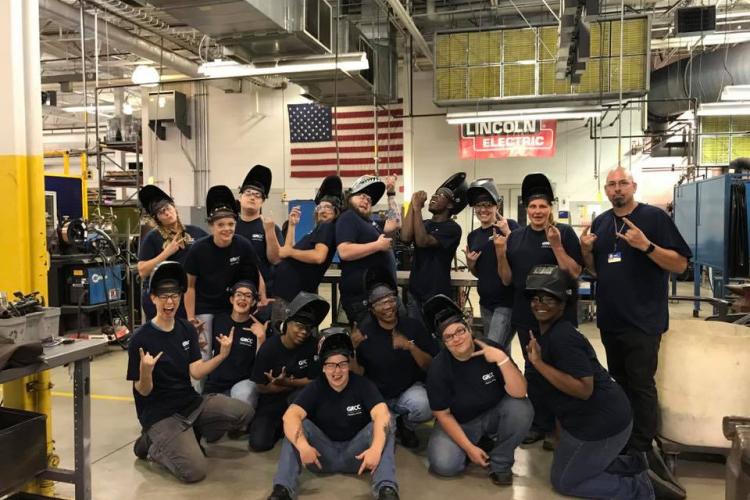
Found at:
[338, 423]
[362, 245]
[631, 249]
[495, 298]
[162, 357]
[435, 241]
[476, 391]
[395, 351]
[284, 364]
[260, 231]
[232, 377]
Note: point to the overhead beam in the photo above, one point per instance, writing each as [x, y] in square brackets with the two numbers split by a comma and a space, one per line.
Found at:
[408, 22]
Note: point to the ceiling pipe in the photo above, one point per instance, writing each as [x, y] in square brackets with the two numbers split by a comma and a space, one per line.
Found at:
[64, 14]
[408, 22]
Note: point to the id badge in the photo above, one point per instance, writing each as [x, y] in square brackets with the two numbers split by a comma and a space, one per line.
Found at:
[614, 258]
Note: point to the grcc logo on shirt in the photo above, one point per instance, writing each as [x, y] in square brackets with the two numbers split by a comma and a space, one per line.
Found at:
[186, 344]
[353, 410]
[488, 378]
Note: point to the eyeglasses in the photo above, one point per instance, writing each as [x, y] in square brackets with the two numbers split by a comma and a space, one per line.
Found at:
[251, 193]
[385, 302]
[547, 300]
[248, 295]
[622, 184]
[164, 210]
[341, 365]
[485, 205]
[174, 297]
[300, 326]
[449, 338]
[324, 206]
[365, 196]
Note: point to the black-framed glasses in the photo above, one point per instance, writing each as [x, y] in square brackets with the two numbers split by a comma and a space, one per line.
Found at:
[385, 302]
[547, 300]
[300, 326]
[451, 337]
[174, 297]
[485, 205]
[341, 365]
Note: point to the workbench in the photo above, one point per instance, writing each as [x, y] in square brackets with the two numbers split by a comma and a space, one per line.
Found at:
[78, 353]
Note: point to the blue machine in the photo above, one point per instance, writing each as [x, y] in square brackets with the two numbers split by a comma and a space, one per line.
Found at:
[89, 285]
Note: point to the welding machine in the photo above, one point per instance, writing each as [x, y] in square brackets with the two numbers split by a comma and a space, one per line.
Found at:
[89, 285]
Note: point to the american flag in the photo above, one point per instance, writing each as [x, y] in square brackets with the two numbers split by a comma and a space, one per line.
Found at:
[316, 131]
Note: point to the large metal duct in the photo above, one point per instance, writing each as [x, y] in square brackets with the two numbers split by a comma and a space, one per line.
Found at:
[702, 76]
[63, 13]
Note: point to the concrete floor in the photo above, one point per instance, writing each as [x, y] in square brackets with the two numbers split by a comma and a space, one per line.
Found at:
[236, 473]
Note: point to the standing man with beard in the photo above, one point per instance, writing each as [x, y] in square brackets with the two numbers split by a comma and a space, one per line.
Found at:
[435, 241]
[362, 245]
[631, 249]
[261, 232]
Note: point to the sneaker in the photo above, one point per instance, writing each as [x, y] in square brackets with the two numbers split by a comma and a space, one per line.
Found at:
[388, 493]
[664, 490]
[533, 436]
[280, 493]
[141, 446]
[657, 464]
[504, 478]
[407, 437]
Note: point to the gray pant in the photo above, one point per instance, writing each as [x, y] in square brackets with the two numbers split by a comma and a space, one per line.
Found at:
[173, 439]
[496, 325]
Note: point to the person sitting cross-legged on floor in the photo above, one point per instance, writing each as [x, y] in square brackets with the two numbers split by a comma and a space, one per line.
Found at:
[339, 423]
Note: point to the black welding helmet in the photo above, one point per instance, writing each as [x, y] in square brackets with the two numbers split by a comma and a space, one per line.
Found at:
[456, 187]
[258, 178]
[332, 191]
[153, 199]
[220, 203]
[536, 186]
[379, 283]
[370, 185]
[440, 311]
[551, 280]
[307, 308]
[483, 190]
[167, 277]
[334, 340]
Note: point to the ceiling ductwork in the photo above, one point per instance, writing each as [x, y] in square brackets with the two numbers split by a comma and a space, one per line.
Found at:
[703, 77]
[256, 30]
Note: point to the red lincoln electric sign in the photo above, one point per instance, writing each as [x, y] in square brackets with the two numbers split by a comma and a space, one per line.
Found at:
[506, 139]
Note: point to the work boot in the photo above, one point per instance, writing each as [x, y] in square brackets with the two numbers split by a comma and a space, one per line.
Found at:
[407, 437]
[504, 478]
[280, 493]
[388, 493]
[533, 436]
[141, 446]
[656, 463]
[664, 490]
[549, 443]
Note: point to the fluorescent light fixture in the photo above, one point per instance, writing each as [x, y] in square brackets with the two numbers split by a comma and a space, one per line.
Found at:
[146, 76]
[355, 61]
[737, 108]
[736, 93]
[127, 108]
[90, 109]
[571, 113]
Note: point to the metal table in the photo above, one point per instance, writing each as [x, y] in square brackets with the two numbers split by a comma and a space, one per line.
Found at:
[77, 353]
[333, 276]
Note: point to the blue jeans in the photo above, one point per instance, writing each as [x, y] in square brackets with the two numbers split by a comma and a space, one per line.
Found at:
[496, 323]
[595, 469]
[246, 391]
[412, 404]
[507, 424]
[414, 311]
[336, 456]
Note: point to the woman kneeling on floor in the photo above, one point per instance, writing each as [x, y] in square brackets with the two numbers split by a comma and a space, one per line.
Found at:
[162, 356]
[592, 410]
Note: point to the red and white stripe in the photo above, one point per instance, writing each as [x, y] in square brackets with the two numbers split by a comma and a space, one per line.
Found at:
[354, 139]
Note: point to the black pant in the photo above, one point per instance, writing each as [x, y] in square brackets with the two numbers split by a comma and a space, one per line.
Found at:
[355, 307]
[544, 419]
[632, 359]
[267, 427]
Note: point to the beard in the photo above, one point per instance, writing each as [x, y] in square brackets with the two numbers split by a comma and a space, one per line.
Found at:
[362, 213]
[619, 201]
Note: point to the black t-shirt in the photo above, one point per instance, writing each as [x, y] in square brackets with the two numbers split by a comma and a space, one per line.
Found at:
[607, 411]
[632, 293]
[466, 388]
[153, 244]
[528, 248]
[255, 233]
[300, 362]
[393, 370]
[172, 392]
[239, 364]
[293, 276]
[351, 228]
[216, 269]
[492, 292]
[340, 415]
[431, 268]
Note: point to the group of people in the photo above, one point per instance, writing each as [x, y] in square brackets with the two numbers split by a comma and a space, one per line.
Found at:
[232, 343]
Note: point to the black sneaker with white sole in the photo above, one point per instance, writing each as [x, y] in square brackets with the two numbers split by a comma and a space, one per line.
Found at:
[141, 446]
